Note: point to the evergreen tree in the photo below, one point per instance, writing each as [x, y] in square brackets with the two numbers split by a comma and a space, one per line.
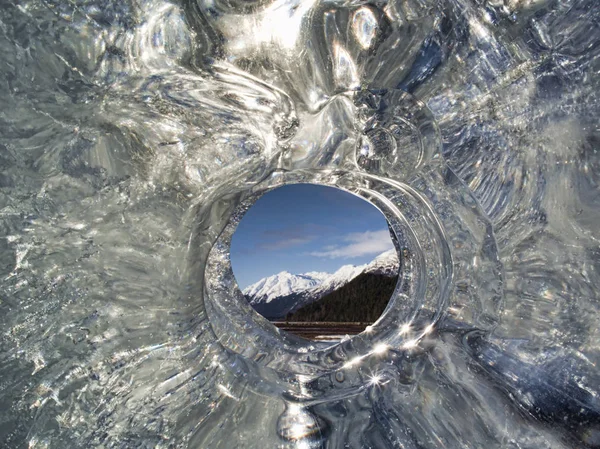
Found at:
[361, 300]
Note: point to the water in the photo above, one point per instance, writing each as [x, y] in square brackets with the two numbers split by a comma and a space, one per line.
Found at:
[133, 135]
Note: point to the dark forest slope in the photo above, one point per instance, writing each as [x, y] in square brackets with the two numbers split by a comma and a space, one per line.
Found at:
[363, 299]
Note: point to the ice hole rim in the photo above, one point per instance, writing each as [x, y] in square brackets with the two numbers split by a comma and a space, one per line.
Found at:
[416, 305]
[308, 195]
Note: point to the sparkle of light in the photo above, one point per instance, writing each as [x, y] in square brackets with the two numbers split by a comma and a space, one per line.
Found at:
[381, 348]
[404, 329]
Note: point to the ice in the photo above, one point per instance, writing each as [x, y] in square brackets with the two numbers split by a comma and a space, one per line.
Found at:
[134, 135]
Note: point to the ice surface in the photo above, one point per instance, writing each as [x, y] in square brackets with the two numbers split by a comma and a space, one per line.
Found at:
[134, 135]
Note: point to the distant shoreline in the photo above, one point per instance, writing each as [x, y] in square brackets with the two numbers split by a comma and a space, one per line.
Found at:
[319, 323]
[321, 330]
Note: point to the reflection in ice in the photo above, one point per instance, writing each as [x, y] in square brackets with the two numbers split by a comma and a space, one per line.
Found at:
[365, 26]
[134, 136]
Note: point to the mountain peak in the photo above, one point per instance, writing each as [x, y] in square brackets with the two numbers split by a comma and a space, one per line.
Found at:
[386, 263]
[297, 290]
[317, 274]
[280, 284]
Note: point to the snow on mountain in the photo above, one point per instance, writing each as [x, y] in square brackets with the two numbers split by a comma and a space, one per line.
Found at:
[334, 281]
[282, 284]
[277, 295]
[321, 275]
[386, 263]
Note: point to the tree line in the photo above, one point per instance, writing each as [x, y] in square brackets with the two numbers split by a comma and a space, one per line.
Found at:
[361, 300]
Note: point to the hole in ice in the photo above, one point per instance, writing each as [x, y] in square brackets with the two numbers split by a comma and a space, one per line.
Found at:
[316, 261]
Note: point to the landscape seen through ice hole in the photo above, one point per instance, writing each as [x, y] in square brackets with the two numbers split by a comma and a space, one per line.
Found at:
[136, 135]
[315, 261]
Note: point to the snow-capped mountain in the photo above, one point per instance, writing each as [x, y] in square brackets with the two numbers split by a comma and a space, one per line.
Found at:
[386, 263]
[334, 281]
[278, 295]
[282, 284]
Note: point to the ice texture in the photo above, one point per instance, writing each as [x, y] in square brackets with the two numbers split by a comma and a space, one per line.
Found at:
[134, 135]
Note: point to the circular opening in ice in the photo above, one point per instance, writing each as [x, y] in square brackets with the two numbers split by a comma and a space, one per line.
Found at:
[417, 301]
[316, 261]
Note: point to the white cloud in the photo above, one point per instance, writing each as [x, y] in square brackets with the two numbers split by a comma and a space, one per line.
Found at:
[287, 243]
[358, 244]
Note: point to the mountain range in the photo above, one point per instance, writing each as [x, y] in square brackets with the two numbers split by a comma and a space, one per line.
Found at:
[283, 294]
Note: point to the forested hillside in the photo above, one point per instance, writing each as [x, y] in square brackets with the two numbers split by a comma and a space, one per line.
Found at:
[361, 300]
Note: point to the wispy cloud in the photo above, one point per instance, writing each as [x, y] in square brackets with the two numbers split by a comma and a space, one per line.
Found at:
[358, 244]
[284, 243]
[283, 238]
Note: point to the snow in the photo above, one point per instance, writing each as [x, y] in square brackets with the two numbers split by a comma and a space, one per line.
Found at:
[314, 285]
[282, 284]
[386, 263]
[341, 277]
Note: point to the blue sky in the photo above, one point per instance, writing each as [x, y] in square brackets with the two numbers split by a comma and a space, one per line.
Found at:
[304, 227]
